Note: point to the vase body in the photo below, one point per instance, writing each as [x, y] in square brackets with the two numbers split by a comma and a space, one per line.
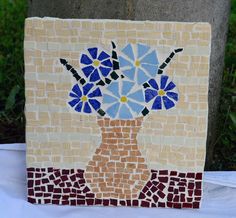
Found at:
[117, 169]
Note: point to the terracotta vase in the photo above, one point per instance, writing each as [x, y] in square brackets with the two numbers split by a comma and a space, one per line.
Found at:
[117, 169]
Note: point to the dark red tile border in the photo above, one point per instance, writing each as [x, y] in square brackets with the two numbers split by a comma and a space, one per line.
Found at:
[68, 187]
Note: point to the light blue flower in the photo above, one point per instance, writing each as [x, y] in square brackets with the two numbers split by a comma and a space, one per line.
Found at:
[123, 100]
[138, 62]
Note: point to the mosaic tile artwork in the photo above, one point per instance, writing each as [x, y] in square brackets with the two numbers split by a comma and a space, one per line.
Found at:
[116, 112]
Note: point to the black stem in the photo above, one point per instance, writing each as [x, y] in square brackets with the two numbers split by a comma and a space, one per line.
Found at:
[168, 60]
[74, 72]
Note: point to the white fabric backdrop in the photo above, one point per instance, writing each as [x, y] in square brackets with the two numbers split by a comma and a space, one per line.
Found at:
[219, 196]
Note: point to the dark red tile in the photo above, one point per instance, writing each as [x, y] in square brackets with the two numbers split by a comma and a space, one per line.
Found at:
[196, 204]
[170, 197]
[105, 202]
[155, 198]
[161, 194]
[80, 202]
[90, 201]
[163, 172]
[197, 192]
[98, 201]
[161, 186]
[135, 203]
[176, 198]
[141, 196]
[198, 176]
[187, 205]
[161, 204]
[177, 205]
[55, 201]
[30, 183]
[173, 173]
[73, 202]
[113, 202]
[163, 179]
[145, 204]
[169, 204]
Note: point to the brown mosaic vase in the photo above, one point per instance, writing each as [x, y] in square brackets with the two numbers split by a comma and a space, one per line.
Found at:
[117, 169]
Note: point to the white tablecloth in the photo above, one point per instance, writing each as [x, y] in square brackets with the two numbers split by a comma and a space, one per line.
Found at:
[219, 196]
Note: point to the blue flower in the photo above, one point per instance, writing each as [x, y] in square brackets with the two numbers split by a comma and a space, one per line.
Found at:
[85, 98]
[138, 62]
[163, 92]
[95, 63]
[123, 100]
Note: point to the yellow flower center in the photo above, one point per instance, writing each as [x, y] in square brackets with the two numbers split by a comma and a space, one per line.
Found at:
[123, 99]
[137, 63]
[161, 92]
[84, 98]
[96, 63]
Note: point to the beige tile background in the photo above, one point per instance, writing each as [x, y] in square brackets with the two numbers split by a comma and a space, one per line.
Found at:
[60, 137]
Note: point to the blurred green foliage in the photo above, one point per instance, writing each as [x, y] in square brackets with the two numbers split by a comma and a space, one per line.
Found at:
[225, 149]
[12, 122]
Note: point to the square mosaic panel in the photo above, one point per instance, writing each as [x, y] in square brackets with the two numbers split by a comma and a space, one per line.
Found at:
[116, 112]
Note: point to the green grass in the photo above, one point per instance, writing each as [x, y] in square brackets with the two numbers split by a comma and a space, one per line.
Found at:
[12, 122]
[225, 150]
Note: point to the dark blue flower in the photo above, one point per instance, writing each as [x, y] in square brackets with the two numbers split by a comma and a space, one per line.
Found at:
[95, 63]
[161, 91]
[86, 99]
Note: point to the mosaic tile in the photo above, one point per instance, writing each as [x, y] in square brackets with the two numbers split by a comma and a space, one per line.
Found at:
[116, 112]
[68, 187]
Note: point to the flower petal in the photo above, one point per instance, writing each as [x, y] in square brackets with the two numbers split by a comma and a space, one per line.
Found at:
[150, 58]
[150, 94]
[79, 107]
[86, 88]
[135, 106]
[124, 112]
[88, 70]
[138, 96]
[141, 77]
[76, 89]
[93, 52]
[85, 59]
[73, 95]
[104, 70]
[126, 87]
[128, 50]
[153, 84]
[142, 49]
[163, 81]
[107, 63]
[87, 108]
[124, 62]
[114, 89]
[74, 102]
[95, 93]
[129, 73]
[173, 95]
[107, 99]
[103, 55]
[151, 69]
[113, 109]
[95, 104]
[168, 103]
[94, 76]
[170, 86]
[157, 104]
